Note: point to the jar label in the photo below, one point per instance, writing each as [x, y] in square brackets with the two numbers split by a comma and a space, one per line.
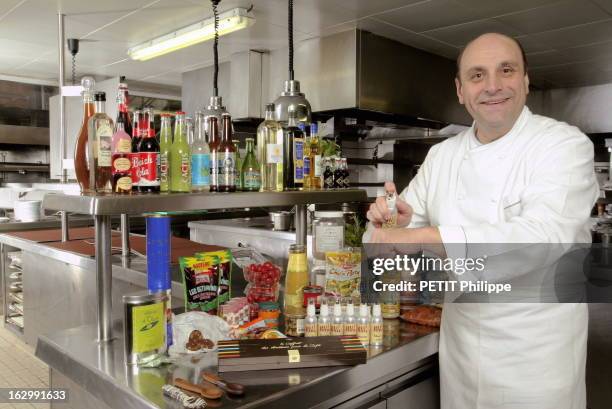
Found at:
[227, 169]
[298, 160]
[148, 328]
[200, 169]
[325, 330]
[310, 329]
[329, 238]
[274, 153]
[135, 159]
[123, 184]
[163, 167]
[350, 328]
[252, 179]
[337, 329]
[377, 333]
[121, 164]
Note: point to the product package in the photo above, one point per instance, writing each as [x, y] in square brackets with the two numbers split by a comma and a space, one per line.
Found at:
[225, 272]
[197, 331]
[283, 353]
[201, 283]
[343, 272]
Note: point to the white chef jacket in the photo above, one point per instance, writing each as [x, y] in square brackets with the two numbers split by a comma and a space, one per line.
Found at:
[536, 184]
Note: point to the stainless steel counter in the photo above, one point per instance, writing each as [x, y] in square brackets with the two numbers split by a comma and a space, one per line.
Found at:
[97, 376]
[50, 222]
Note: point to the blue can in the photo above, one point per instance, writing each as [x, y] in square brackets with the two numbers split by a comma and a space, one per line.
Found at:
[158, 253]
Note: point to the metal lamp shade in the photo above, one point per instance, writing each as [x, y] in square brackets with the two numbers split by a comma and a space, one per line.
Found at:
[291, 99]
[215, 108]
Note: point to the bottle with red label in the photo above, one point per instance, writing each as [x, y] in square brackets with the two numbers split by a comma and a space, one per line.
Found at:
[148, 160]
[123, 103]
[136, 138]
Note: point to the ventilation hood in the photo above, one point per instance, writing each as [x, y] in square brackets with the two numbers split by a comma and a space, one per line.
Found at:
[361, 72]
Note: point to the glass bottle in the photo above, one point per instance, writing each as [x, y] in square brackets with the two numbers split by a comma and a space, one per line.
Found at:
[315, 158]
[134, 157]
[338, 173]
[307, 163]
[328, 174]
[251, 177]
[165, 143]
[270, 152]
[200, 158]
[122, 104]
[345, 176]
[350, 323]
[213, 145]
[236, 144]
[376, 326]
[100, 132]
[227, 158]
[363, 325]
[81, 165]
[180, 157]
[148, 159]
[337, 319]
[296, 279]
[121, 161]
[310, 322]
[293, 170]
[324, 326]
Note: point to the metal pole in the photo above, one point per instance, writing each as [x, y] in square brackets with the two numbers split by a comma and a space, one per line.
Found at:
[125, 235]
[104, 277]
[300, 224]
[65, 231]
[62, 110]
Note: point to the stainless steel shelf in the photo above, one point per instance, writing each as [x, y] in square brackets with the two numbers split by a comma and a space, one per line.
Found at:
[100, 205]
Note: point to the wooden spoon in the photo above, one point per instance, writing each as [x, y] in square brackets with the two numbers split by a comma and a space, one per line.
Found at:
[231, 388]
[207, 391]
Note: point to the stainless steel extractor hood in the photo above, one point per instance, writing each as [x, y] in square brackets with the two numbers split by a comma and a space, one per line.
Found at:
[357, 69]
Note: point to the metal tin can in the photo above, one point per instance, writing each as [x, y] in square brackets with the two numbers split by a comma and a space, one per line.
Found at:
[144, 326]
[294, 325]
[158, 252]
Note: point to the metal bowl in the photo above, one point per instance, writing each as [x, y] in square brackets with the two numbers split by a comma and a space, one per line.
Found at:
[282, 221]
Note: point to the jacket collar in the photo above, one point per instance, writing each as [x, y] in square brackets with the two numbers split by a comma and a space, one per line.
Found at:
[503, 141]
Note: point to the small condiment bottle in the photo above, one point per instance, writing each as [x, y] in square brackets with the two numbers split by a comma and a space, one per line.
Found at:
[350, 323]
[363, 324]
[310, 322]
[324, 324]
[337, 321]
[376, 326]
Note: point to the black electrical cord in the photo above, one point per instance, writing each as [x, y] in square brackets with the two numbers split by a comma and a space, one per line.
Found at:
[215, 3]
[73, 69]
[290, 15]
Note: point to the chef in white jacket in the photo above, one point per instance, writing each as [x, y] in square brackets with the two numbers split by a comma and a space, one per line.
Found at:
[513, 177]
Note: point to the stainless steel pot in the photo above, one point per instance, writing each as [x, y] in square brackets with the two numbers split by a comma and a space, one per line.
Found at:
[282, 221]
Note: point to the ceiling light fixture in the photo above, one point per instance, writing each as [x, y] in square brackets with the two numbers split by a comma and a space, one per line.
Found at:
[229, 22]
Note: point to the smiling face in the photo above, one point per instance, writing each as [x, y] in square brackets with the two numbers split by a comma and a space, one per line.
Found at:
[492, 84]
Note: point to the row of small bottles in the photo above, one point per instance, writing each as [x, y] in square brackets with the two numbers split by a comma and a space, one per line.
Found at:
[368, 329]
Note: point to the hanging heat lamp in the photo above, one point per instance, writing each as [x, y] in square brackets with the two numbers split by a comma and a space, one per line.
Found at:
[291, 99]
[215, 105]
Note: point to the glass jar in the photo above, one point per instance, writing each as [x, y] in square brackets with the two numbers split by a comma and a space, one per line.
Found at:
[296, 279]
[328, 233]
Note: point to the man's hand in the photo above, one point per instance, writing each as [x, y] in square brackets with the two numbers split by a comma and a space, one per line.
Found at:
[379, 212]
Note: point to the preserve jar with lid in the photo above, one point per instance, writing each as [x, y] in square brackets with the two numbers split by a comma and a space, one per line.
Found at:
[328, 233]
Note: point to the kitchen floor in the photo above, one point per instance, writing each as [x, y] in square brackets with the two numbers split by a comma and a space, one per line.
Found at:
[19, 368]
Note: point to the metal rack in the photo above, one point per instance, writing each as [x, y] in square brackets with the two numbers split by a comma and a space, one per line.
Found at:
[102, 207]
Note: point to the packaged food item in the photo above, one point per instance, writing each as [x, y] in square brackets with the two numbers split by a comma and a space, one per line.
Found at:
[264, 274]
[424, 315]
[200, 280]
[197, 331]
[272, 334]
[313, 292]
[225, 272]
[236, 312]
[259, 294]
[269, 311]
[343, 272]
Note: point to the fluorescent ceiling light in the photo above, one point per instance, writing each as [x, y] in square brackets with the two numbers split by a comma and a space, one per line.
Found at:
[229, 22]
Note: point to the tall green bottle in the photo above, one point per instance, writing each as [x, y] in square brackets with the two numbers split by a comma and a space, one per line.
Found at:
[180, 157]
[251, 176]
[236, 144]
[165, 142]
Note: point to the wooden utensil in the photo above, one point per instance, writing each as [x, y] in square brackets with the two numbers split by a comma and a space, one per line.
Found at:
[207, 391]
[231, 388]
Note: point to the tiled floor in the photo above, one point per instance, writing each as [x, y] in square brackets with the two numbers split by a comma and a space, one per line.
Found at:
[19, 368]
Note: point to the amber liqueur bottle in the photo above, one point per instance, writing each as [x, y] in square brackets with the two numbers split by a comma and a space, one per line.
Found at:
[213, 144]
[227, 157]
[100, 132]
[81, 166]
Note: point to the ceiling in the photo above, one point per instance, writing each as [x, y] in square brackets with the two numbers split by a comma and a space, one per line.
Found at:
[568, 43]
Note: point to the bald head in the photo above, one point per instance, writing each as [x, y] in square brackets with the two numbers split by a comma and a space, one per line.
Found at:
[489, 39]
